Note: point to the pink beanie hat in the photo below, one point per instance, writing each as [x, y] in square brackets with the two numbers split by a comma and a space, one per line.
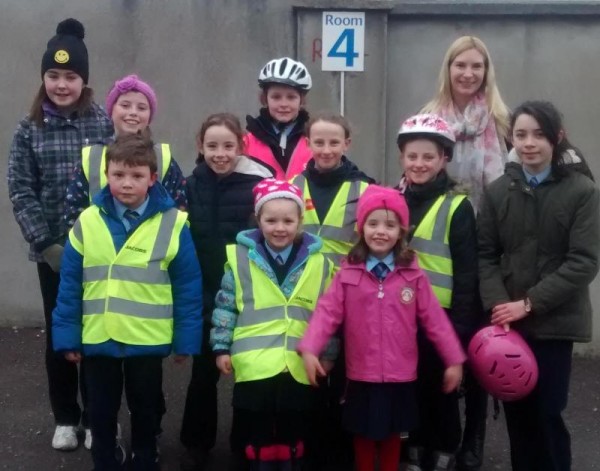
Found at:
[270, 189]
[379, 197]
[131, 83]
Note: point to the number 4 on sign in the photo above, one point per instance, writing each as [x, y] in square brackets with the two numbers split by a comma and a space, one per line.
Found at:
[349, 54]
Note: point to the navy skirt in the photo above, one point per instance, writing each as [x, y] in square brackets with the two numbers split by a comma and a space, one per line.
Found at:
[378, 410]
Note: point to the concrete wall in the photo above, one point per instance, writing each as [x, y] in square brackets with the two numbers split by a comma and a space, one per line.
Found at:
[203, 56]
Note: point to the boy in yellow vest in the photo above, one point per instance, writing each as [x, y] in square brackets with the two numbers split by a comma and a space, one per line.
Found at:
[130, 294]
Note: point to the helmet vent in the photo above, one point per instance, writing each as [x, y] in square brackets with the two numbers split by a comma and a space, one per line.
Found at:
[282, 66]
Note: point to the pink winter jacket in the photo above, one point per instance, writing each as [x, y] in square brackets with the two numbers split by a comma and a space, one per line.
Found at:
[254, 147]
[380, 332]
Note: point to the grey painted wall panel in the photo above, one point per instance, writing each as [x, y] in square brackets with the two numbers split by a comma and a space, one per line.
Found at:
[203, 56]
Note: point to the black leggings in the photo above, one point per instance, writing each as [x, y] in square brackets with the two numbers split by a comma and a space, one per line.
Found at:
[64, 381]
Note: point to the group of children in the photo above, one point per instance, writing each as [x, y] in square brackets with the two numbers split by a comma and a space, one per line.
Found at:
[279, 261]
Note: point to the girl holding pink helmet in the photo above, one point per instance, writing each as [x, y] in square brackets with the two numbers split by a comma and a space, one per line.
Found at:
[539, 240]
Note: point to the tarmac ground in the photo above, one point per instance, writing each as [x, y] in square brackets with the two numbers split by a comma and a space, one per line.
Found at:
[26, 423]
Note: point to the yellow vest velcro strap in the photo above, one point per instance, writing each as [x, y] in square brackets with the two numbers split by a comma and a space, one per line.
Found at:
[147, 311]
[93, 306]
[153, 274]
[439, 279]
[430, 247]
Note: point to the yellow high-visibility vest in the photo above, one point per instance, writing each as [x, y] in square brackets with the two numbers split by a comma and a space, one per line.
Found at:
[338, 230]
[269, 326]
[127, 295]
[430, 240]
[93, 164]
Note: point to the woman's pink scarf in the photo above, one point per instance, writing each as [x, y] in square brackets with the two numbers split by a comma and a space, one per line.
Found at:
[479, 155]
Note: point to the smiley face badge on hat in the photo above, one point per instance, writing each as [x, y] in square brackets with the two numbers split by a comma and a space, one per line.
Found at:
[66, 50]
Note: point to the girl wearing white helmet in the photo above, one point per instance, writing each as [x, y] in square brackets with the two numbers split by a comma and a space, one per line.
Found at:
[469, 100]
[446, 243]
[276, 135]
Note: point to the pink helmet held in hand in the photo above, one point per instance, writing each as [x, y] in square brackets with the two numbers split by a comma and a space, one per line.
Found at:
[503, 363]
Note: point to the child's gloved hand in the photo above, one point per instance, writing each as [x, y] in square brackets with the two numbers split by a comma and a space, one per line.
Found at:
[313, 367]
[452, 378]
[53, 255]
[224, 364]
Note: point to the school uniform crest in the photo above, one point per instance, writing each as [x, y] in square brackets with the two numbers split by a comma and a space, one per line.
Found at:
[407, 295]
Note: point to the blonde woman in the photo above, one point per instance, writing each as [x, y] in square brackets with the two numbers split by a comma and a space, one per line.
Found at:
[469, 100]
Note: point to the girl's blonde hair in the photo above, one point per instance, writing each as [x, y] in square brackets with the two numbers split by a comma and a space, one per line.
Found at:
[443, 98]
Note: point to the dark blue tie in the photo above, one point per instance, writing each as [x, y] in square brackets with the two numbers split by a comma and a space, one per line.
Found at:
[533, 182]
[279, 260]
[380, 270]
[131, 216]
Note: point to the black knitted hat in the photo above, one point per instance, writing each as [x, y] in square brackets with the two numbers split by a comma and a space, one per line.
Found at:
[67, 50]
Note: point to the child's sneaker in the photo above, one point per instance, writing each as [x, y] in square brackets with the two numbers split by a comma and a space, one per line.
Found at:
[65, 438]
[87, 442]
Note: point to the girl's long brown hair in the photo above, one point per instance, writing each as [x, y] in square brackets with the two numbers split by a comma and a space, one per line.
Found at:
[36, 113]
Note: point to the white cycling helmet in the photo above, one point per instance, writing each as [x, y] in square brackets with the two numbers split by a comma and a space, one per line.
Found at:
[428, 126]
[285, 71]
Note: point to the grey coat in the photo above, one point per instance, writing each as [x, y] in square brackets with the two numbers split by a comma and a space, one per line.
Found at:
[542, 244]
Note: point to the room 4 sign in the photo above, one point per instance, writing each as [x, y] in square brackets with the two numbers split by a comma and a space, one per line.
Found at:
[343, 41]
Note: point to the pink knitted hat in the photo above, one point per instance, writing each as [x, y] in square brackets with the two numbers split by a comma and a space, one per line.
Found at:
[378, 197]
[131, 83]
[270, 189]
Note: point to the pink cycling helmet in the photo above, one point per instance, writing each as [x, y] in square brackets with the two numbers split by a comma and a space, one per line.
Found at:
[503, 363]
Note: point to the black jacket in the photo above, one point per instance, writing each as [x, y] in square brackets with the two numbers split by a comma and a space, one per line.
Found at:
[323, 186]
[543, 244]
[466, 312]
[218, 210]
[262, 128]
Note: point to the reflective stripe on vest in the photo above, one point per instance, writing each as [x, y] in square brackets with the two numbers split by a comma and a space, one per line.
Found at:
[127, 295]
[96, 175]
[269, 326]
[430, 240]
[338, 230]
